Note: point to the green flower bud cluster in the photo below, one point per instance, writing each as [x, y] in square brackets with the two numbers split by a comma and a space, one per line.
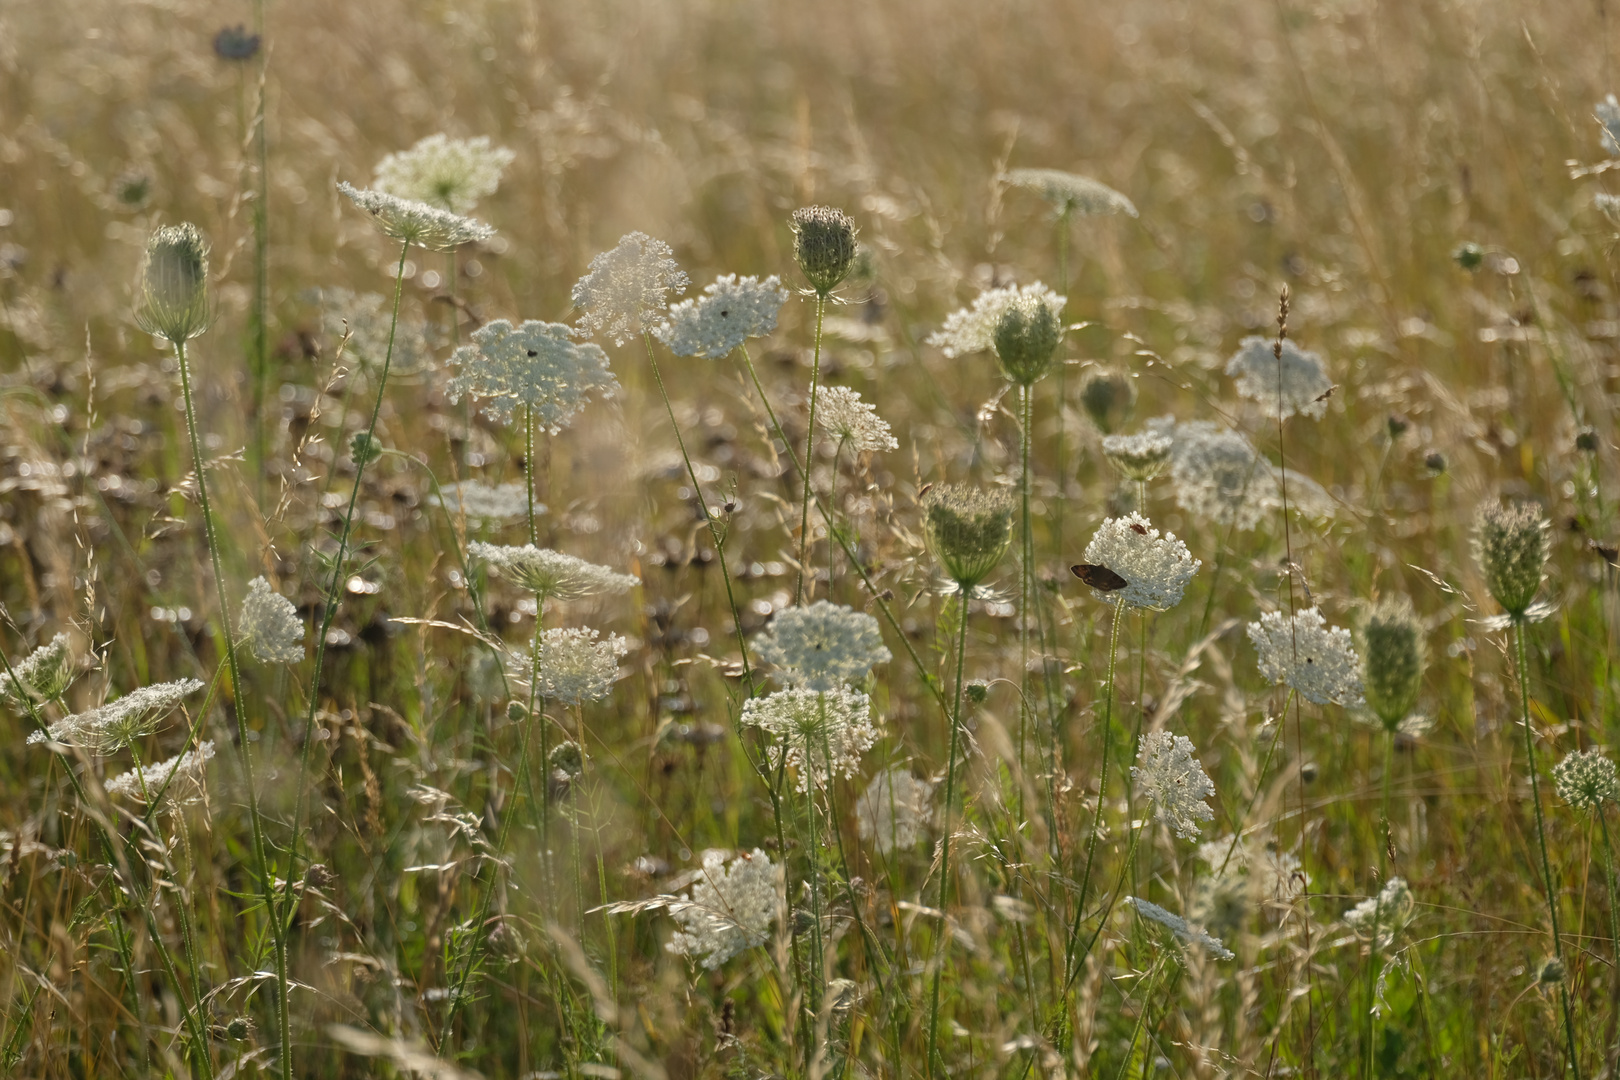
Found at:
[1392, 660]
[968, 530]
[1026, 337]
[823, 245]
[174, 284]
[1510, 543]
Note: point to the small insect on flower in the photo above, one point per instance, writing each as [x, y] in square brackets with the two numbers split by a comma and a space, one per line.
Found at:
[823, 246]
[1317, 660]
[270, 625]
[416, 223]
[729, 312]
[1297, 382]
[1069, 193]
[626, 288]
[551, 575]
[973, 329]
[1128, 562]
[173, 300]
[537, 365]
[449, 173]
[823, 646]
[842, 414]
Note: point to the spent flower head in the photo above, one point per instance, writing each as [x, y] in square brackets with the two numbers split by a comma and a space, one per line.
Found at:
[1296, 383]
[110, 727]
[626, 287]
[43, 674]
[1139, 457]
[1383, 916]
[822, 733]
[1156, 568]
[1187, 935]
[1586, 780]
[270, 625]
[973, 329]
[729, 312]
[1168, 774]
[1069, 193]
[894, 810]
[551, 575]
[842, 414]
[537, 365]
[823, 246]
[968, 530]
[1511, 545]
[1392, 661]
[173, 301]
[573, 665]
[1317, 660]
[732, 907]
[823, 646]
[176, 782]
[1026, 336]
[449, 173]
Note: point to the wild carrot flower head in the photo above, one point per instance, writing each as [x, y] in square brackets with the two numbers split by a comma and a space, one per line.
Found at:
[444, 172]
[1169, 775]
[823, 246]
[270, 625]
[537, 365]
[732, 907]
[1218, 475]
[1298, 383]
[574, 665]
[823, 646]
[1317, 660]
[973, 329]
[1071, 194]
[968, 530]
[173, 302]
[43, 674]
[1156, 568]
[106, 729]
[363, 323]
[486, 502]
[1586, 780]
[1607, 113]
[842, 414]
[821, 733]
[1187, 935]
[1511, 545]
[551, 575]
[893, 812]
[626, 288]
[729, 312]
[1026, 336]
[1108, 397]
[417, 223]
[1383, 916]
[177, 781]
[1138, 457]
[1393, 658]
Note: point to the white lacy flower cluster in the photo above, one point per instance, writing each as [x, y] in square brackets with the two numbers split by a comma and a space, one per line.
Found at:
[842, 414]
[1297, 382]
[1168, 774]
[894, 811]
[1314, 658]
[626, 288]
[43, 674]
[823, 646]
[1381, 917]
[362, 322]
[1187, 935]
[1218, 475]
[417, 223]
[732, 907]
[1138, 457]
[570, 665]
[486, 502]
[1271, 875]
[270, 626]
[729, 312]
[818, 733]
[537, 365]
[177, 781]
[1156, 568]
[973, 329]
[1586, 780]
[1071, 194]
[551, 575]
[441, 171]
[110, 727]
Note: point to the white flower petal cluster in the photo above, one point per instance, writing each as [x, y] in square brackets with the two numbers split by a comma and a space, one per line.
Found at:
[973, 329]
[364, 319]
[1168, 774]
[1381, 917]
[417, 223]
[574, 665]
[894, 811]
[551, 575]
[486, 502]
[1071, 194]
[1299, 377]
[729, 312]
[1139, 457]
[732, 907]
[1156, 568]
[1314, 658]
[1218, 475]
[1271, 875]
[106, 729]
[270, 625]
[1607, 113]
[626, 288]
[179, 779]
[842, 414]
[821, 733]
[41, 675]
[1187, 935]
[823, 646]
[537, 365]
[446, 172]
[1586, 780]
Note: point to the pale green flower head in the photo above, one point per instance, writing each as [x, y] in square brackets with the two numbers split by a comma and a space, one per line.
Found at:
[1139, 457]
[1586, 780]
[1511, 544]
[538, 366]
[551, 575]
[113, 726]
[444, 172]
[730, 311]
[1026, 337]
[1392, 662]
[43, 674]
[1071, 194]
[1297, 382]
[270, 626]
[173, 300]
[823, 246]
[417, 223]
[968, 530]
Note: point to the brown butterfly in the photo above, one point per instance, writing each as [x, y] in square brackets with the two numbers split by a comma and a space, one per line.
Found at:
[1098, 577]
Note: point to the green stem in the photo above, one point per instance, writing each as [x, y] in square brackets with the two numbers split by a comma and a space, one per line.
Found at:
[941, 951]
[1608, 878]
[1369, 1033]
[809, 457]
[261, 257]
[1026, 409]
[1102, 780]
[528, 469]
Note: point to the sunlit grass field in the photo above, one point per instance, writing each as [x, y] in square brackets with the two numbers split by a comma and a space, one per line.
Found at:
[431, 840]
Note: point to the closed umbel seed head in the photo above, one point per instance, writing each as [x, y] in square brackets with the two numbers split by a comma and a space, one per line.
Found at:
[1586, 780]
[823, 245]
[1027, 334]
[1510, 543]
[1392, 661]
[968, 530]
[1109, 398]
[174, 284]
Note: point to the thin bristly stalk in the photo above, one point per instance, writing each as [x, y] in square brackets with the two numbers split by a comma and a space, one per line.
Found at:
[1608, 879]
[261, 254]
[1141, 721]
[809, 457]
[239, 707]
[942, 949]
[528, 469]
[1102, 775]
[1370, 1031]
[1026, 558]
[1519, 628]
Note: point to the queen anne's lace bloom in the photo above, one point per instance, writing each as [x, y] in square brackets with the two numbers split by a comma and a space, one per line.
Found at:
[537, 365]
[177, 781]
[270, 625]
[1314, 658]
[1218, 475]
[729, 312]
[626, 288]
[441, 171]
[1169, 775]
[43, 674]
[1071, 194]
[1187, 935]
[822, 647]
[551, 575]
[1586, 780]
[973, 329]
[842, 414]
[732, 908]
[105, 729]
[1138, 457]
[485, 502]
[415, 222]
[1304, 380]
[893, 811]
[362, 323]
[575, 665]
[1381, 917]
[1511, 545]
[822, 733]
[1156, 568]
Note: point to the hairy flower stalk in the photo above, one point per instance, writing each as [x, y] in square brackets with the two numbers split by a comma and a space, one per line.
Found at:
[1588, 782]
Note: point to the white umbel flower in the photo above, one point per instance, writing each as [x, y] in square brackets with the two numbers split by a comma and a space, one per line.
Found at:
[732, 907]
[551, 575]
[486, 502]
[1139, 457]
[1187, 935]
[1607, 113]
[1586, 780]
[177, 781]
[441, 171]
[893, 812]
[822, 733]
[1302, 386]
[417, 223]
[626, 288]
[270, 625]
[1168, 774]
[106, 729]
[575, 665]
[973, 329]
[1381, 917]
[729, 312]
[1218, 475]
[537, 365]
[823, 646]
[43, 674]
[1156, 568]
[1314, 658]
[843, 415]
[1069, 193]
